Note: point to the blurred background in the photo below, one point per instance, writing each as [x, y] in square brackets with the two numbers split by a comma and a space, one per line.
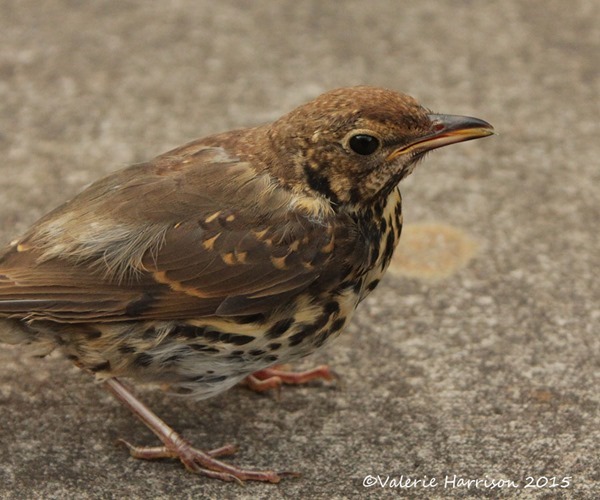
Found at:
[478, 354]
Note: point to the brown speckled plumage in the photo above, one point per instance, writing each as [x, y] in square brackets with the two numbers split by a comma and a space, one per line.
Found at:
[227, 255]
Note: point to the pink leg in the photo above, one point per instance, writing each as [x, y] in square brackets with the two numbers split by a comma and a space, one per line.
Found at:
[175, 446]
[274, 377]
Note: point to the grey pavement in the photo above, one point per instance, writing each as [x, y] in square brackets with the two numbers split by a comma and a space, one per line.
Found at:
[477, 358]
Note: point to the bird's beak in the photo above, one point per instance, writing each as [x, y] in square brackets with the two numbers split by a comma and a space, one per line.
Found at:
[445, 130]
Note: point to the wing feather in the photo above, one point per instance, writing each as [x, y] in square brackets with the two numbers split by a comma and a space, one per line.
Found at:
[188, 235]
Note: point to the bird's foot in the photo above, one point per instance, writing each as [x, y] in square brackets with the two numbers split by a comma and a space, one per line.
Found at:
[276, 376]
[204, 463]
[156, 452]
[175, 446]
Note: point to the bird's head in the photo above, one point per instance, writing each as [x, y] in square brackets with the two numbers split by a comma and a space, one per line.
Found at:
[352, 145]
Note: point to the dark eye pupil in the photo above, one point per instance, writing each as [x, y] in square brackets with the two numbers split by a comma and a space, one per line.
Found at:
[364, 144]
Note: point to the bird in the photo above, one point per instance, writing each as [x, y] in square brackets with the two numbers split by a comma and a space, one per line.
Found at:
[226, 257]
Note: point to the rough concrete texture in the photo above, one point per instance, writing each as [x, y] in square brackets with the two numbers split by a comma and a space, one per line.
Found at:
[488, 371]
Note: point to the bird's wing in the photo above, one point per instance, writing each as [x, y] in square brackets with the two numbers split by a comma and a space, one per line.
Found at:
[194, 234]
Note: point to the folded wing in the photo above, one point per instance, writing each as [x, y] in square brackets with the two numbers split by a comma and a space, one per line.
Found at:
[191, 235]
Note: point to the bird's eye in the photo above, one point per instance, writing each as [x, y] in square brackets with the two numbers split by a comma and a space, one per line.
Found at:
[363, 144]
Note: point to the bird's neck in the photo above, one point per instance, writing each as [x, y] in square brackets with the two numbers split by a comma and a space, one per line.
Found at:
[379, 226]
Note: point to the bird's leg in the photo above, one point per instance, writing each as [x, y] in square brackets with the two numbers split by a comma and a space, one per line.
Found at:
[175, 446]
[275, 376]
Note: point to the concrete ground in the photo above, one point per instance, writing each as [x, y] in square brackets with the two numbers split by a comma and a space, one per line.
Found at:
[478, 358]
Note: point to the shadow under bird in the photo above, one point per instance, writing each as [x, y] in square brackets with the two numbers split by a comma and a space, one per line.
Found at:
[219, 260]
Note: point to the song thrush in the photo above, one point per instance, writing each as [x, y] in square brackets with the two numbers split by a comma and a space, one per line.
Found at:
[225, 256]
